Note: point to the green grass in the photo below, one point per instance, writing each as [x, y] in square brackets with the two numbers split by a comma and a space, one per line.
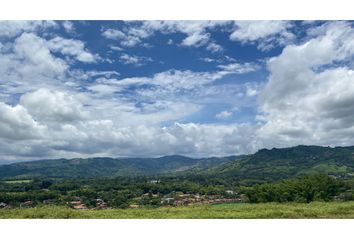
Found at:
[228, 211]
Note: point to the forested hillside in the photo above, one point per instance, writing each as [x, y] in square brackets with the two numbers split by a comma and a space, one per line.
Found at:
[263, 166]
[276, 164]
[105, 167]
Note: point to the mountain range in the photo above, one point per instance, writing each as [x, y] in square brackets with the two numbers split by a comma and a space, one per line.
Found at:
[106, 167]
[265, 165]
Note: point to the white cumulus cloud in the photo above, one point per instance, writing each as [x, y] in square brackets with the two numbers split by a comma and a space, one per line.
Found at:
[71, 47]
[266, 33]
[305, 103]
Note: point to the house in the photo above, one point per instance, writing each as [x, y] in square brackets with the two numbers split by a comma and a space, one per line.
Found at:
[183, 195]
[100, 203]
[151, 195]
[154, 181]
[27, 204]
[3, 205]
[78, 205]
[134, 206]
[230, 192]
[167, 200]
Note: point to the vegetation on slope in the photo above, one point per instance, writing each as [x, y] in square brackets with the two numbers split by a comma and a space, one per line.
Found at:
[277, 164]
[263, 166]
[104, 167]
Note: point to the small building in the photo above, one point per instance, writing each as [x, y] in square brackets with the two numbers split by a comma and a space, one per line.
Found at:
[101, 203]
[151, 195]
[167, 200]
[78, 205]
[184, 195]
[3, 205]
[230, 192]
[154, 181]
[27, 204]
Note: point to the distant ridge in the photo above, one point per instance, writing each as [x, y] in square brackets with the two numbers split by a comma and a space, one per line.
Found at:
[104, 167]
[265, 165]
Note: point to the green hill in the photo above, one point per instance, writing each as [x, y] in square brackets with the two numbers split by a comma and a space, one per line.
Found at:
[103, 167]
[276, 164]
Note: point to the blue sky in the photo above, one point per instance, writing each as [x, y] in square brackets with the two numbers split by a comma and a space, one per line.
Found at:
[152, 88]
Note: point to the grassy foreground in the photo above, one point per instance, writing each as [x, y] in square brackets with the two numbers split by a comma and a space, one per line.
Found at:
[243, 210]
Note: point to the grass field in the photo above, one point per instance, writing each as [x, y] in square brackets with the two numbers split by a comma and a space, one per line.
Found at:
[242, 210]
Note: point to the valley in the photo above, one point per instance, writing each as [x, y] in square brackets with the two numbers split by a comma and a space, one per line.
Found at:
[297, 175]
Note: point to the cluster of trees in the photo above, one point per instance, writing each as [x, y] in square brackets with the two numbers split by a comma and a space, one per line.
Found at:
[16, 198]
[117, 192]
[304, 189]
[120, 192]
